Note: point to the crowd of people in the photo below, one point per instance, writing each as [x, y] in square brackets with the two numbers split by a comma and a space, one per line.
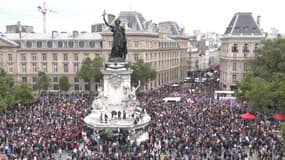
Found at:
[199, 129]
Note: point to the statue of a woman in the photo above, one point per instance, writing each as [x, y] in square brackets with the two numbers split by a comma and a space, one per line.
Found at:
[119, 46]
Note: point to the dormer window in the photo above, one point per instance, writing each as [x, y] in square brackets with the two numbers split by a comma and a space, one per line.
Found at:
[60, 44]
[29, 44]
[245, 48]
[235, 48]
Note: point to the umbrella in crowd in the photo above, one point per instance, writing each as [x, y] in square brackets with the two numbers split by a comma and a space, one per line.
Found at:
[247, 116]
[278, 116]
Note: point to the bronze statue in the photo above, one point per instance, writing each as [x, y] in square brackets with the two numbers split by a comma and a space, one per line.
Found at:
[119, 45]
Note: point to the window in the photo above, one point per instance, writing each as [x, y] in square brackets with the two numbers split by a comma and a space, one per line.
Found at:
[24, 68]
[235, 48]
[44, 56]
[59, 44]
[45, 68]
[55, 79]
[136, 44]
[81, 44]
[24, 79]
[245, 67]
[75, 67]
[55, 67]
[234, 66]
[75, 57]
[245, 48]
[76, 87]
[70, 44]
[234, 77]
[49, 44]
[54, 57]
[65, 68]
[55, 83]
[23, 57]
[76, 80]
[92, 44]
[10, 57]
[55, 86]
[87, 87]
[34, 57]
[34, 67]
[10, 68]
[29, 44]
[65, 57]
[136, 57]
[39, 44]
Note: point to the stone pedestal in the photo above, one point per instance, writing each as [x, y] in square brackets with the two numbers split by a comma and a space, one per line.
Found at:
[116, 95]
[117, 77]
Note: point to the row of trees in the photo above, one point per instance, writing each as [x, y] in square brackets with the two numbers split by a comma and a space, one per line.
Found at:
[13, 93]
[90, 71]
[264, 85]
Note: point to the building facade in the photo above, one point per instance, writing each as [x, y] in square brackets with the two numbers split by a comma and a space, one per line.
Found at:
[61, 53]
[239, 42]
[56, 54]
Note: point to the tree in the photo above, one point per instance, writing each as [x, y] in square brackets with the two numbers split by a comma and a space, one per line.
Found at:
[64, 84]
[6, 96]
[142, 72]
[23, 93]
[44, 81]
[264, 86]
[11, 94]
[90, 70]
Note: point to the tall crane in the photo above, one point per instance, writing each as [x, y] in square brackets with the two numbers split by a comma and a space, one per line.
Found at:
[44, 11]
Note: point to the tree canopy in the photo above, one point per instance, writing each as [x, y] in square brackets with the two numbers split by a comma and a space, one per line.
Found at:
[264, 86]
[12, 93]
[90, 70]
[44, 81]
[64, 84]
[142, 72]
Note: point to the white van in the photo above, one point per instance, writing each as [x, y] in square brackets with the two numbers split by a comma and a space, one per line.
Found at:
[171, 99]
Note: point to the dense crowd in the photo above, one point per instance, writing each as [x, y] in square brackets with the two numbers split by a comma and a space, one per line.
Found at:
[199, 129]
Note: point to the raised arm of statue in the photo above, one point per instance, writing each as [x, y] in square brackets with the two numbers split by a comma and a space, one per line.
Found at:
[104, 14]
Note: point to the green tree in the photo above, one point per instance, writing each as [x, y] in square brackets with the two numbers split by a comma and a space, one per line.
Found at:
[6, 95]
[23, 93]
[44, 81]
[264, 86]
[90, 70]
[64, 84]
[142, 72]
[270, 58]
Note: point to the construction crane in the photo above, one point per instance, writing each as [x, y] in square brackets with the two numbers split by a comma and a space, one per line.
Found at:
[44, 11]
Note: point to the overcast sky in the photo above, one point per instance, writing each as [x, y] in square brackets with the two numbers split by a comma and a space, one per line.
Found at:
[204, 15]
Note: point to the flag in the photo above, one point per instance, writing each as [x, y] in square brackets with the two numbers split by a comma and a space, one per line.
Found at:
[138, 111]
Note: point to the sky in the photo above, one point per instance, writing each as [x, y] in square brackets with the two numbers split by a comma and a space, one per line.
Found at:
[203, 15]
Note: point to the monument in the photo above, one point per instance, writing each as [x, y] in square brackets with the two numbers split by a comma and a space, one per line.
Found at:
[116, 106]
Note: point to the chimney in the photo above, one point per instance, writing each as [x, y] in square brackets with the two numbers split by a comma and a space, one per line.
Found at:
[258, 20]
[53, 34]
[75, 34]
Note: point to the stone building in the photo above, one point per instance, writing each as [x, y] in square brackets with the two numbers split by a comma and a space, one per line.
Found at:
[61, 53]
[241, 38]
